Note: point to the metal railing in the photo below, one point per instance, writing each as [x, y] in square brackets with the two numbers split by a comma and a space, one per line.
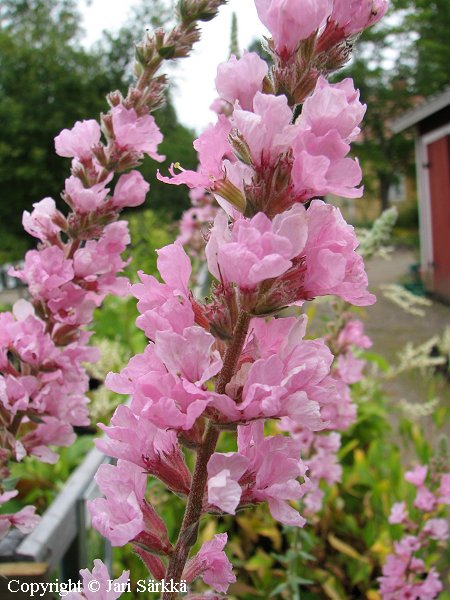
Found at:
[60, 540]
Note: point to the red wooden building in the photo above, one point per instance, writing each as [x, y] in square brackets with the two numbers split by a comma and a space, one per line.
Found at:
[432, 122]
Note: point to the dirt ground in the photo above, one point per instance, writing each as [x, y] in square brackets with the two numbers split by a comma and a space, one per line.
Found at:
[390, 327]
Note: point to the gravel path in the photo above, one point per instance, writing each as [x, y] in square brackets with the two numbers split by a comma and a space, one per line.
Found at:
[390, 328]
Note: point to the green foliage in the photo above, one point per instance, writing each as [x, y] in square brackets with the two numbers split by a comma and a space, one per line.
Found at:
[401, 60]
[39, 483]
[149, 231]
[340, 553]
[47, 82]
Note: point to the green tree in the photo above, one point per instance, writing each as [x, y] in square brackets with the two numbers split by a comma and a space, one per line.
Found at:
[395, 65]
[47, 82]
[117, 53]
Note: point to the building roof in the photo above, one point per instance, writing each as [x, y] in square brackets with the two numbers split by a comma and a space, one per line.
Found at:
[430, 106]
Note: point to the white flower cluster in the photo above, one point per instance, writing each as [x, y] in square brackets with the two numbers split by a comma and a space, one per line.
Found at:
[403, 298]
[373, 241]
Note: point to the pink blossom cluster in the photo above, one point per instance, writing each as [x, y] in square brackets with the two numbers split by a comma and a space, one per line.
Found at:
[290, 22]
[319, 448]
[229, 362]
[43, 344]
[348, 367]
[242, 158]
[405, 573]
[278, 374]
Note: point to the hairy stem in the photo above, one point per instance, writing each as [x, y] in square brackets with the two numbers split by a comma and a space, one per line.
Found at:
[189, 528]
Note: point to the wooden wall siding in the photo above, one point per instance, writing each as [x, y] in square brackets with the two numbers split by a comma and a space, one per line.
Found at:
[439, 186]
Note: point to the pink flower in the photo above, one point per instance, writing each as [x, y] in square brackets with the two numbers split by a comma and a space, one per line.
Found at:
[224, 472]
[41, 223]
[51, 432]
[280, 377]
[189, 354]
[444, 489]
[399, 514]
[336, 406]
[263, 469]
[211, 564]
[135, 439]
[240, 79]
[406, 547]
[99, 261]
[437, 529]
[78, 141]
[98, 585]
[130, 190]
[323, 464]
[166, 306]
[45, 271]
[138, 134]
[85, 200]
[425, 500]
[275, 465]
[417, 476]
[333, 266]
[353, 16]
[212, 148]
[25, 519]
[254, 250]
[119, 516]
[291, 21]
[320, 166]
[349, 368]
[168, 401]
[431, 587]
[333, 107]
[267, 130]
[353, 335]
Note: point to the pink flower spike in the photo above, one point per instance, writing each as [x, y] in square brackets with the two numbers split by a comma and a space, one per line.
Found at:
[78, 141]
[211, 564]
